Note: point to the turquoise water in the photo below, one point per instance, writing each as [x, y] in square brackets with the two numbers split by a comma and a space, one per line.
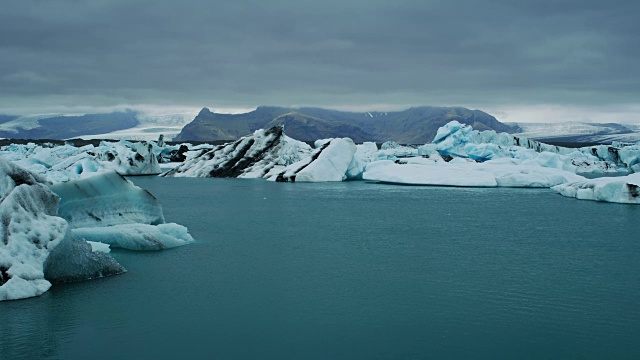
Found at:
[354, 271]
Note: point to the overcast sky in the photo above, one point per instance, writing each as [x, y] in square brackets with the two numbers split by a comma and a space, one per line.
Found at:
[544, 60]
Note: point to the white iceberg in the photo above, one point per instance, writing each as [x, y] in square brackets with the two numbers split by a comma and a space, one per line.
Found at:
[391, 150]
[137, 236]
[623, 189]
[457, 140]
[466, 174]
[30, 231]
[365, 153]
[327, 163]
[67, 162]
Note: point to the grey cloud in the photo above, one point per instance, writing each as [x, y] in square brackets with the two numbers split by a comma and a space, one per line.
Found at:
[319, 53]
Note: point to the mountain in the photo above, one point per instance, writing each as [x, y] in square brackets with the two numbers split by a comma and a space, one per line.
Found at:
[412, 126]
[305, 127]
[577, 132]
[58, 127]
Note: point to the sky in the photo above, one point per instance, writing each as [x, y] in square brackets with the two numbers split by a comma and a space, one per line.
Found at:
[542, 60]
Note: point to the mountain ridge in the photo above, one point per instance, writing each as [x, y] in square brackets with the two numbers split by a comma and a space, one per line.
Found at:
[416, 125]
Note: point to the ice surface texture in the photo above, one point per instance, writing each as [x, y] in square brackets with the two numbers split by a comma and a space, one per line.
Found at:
[109, 209]
[252, 156]
[462, 173]
[106, 199]
[29, 232]
[63, 163]
[457, 140]
[330, 162]
[75, 260]
[137, 236]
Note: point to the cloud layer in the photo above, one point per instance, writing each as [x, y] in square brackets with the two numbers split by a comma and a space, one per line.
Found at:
[243, 53]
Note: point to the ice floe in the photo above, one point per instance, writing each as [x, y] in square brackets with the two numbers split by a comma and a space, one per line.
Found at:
[137, 236]
[467, 174]
[623, 189]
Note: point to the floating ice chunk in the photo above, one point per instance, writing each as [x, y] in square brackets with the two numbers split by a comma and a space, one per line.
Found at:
[427, 150]
[331, 164]
[30, 231]
[365, 153]
[457, 140]
[451, 139]
[388, 171]
[128, 158]
[99, 247]
[137, 236]
[61, 163]
[328, 163]
[623, 189]
[391, 150]
[252, 156]
[460, 172]
[321, 142]
[75, 260]
[106, 199]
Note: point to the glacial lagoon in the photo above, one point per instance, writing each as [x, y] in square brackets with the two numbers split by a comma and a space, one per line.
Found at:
[354, 270]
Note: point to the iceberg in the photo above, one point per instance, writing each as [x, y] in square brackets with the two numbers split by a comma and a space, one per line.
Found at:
[137, 236]
[457, 140]
[330, 162]
[67, 162]
[466, 174]
[106, 199]
[623, 189]
[252, 156]
[365, 153]
[128, 158]
[391, 150]
[30, 231]
[76, 260]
